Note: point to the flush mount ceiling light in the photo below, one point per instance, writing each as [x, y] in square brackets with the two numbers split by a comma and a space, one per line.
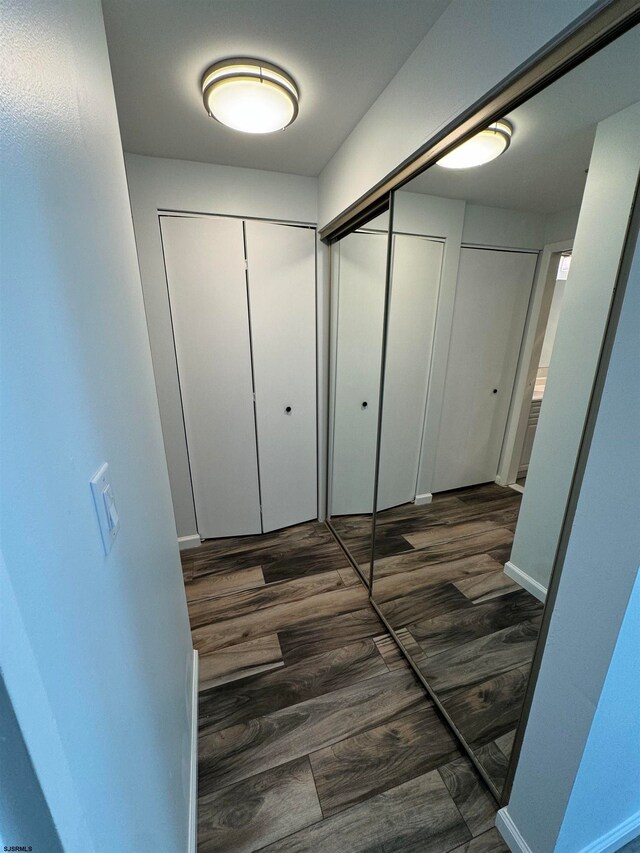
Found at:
[250, 95]
[485, 146]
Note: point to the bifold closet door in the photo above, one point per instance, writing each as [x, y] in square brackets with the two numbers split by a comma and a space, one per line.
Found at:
[282, 305]
[361, 261]
[492, 297]
[205, 268]
[415, 284]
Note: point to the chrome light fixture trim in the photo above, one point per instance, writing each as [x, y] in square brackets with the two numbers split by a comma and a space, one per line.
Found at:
[239, 70]
[483, 147]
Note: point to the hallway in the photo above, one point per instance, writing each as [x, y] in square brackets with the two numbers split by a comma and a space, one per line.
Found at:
[314, 734]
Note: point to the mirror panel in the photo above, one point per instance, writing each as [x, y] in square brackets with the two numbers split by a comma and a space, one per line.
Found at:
[358, 278]
[486, 319]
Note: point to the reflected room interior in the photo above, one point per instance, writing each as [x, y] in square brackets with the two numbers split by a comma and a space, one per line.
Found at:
[443, 439]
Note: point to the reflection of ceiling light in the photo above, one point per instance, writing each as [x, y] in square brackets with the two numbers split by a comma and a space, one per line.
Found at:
[486, 145]
[250, 95]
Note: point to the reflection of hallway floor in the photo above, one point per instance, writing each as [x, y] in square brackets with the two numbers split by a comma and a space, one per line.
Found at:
[470, 629]
[314, 734]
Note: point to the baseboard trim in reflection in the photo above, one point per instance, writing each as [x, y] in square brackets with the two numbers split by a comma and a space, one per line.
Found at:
[423, 499]
[510, 832]
[187, 542]
[526, 581]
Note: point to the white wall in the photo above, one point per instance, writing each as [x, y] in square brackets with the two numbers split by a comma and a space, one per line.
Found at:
[503, 228]
[435, 85]
[24, 814]
[177, 185]
[606, 793]
[96, 651]
[598, 575]
[613, 173]
[561, 226]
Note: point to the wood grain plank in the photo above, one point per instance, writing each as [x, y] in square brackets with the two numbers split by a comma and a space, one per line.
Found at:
[361, 766]
[488, 842]
[442, 633]
[411, 647]
[423, 604]
[349, 576]
[211, 586]
[235, 662]
[264, 694]
[406, 573]
[496, 541]
[241, 552]
[418, 816]
[485, 587]
[242, 750]
[505, 742]
[494, 762]
[391, 654]
[317, 635]
[247, 815]
[488, 710]
[249, 601]
[470, 794]
[313, 558]
[488, 656]
[275, 618]
[450, 533]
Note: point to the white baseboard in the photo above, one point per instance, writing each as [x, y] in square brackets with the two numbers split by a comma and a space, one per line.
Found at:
[517, 488]
[193, 781]
[186, 542]
[609, 843]
[525, 581]
[423, 499]
[617, 837]
[510, 832]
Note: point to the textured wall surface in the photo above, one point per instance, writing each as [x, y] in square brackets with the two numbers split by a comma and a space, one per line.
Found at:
[96, 651]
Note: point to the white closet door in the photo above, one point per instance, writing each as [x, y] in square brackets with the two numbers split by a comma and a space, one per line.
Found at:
[415, 283]
[362, 260]
[492, 297]
[204, 261]
[282, 297]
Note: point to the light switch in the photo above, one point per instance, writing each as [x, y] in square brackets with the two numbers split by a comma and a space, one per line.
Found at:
[105, 504]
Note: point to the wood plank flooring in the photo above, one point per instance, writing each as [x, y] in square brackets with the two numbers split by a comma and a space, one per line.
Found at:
[469, 628]
[314, 733]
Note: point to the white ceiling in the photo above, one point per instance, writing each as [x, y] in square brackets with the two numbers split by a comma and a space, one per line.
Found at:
[342, 53]
[544, 168]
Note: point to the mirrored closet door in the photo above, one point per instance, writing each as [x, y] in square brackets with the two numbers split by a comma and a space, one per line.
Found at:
[491, 350]
[358, 278]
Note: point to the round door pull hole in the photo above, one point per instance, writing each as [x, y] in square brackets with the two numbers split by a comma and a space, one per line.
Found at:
[364, 404]
[495, 390]
[288, 410]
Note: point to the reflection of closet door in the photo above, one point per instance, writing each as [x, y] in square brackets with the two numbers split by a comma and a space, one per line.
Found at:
[415, 283]
[204, 261]
[361, 282]
[492, 297]
[282, 297]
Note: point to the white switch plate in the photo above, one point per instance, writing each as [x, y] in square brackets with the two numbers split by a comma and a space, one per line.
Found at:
[105, 506]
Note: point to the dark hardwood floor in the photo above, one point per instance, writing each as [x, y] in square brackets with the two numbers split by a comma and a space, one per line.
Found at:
[469, 628]
[314, 733]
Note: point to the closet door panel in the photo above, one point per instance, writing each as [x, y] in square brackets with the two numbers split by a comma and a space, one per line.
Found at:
[492, 298]
[362, 260]
[415, 283]
[282, 297]
[204, 260]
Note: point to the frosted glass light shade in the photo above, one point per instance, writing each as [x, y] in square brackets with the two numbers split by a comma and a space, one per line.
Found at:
[485, 146]
[250, 95]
